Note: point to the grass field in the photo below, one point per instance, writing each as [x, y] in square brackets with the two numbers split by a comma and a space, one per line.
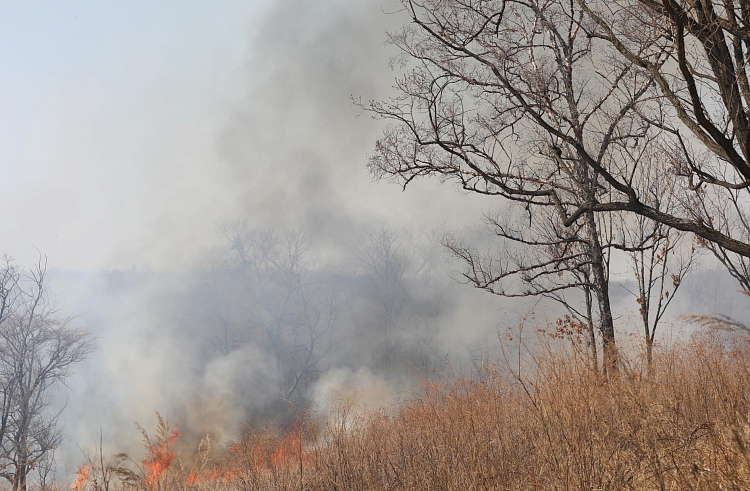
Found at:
[683, 425]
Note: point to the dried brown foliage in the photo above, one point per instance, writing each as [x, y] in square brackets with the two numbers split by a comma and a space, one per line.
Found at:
[683, 425]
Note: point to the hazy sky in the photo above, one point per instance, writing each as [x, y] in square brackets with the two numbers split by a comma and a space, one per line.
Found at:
[130, 130]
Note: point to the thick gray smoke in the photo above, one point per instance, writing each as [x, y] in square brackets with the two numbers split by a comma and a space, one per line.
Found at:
[296, 143]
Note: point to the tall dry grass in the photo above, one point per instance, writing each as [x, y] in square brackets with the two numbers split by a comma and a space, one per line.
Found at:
[683, 425]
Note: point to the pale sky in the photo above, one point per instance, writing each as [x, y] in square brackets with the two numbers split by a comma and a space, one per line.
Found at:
[131, 130]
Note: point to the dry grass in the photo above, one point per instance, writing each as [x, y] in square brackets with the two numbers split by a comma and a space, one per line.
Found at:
[684, 426]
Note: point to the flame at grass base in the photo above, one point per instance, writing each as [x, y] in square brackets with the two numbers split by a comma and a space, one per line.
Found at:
[82, 478]
[162, 456]
[278, 452]
[261, 453]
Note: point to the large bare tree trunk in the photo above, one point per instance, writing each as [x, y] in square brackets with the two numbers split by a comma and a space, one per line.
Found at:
[610, 363]
[20, 478]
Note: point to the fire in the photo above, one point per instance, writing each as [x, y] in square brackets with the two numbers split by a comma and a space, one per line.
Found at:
[290, 448]
[162, 456]
[82, 478]
[262, 453]
[198, 477]
[259, 453]
[232, 473]
[273, 453]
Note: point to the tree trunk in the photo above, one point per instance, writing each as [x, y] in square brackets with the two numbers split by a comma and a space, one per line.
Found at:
[647, 331]
[592, 334]
[20, 477]
[610, 363]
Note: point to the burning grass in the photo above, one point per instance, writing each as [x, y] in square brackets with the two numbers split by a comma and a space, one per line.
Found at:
[684, 425]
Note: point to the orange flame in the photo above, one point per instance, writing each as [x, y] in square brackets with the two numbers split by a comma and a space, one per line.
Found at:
[265, 455]
[193, 479]
[162, 456]
[231, 473]
[281, 453]
[82, 478]
[198, 477]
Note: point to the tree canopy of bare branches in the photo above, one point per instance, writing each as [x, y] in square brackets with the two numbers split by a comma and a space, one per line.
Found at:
[566, 106]
[38, 349]
[696, 53]
[495, 100]
[401, 290]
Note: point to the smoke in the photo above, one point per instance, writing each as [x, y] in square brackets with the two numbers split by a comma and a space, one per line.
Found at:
[287, 152]
[297, 142]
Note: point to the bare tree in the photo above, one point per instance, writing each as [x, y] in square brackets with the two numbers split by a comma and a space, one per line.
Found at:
[553, 104]
[539, 257]
[506, 99]
[430, 303]
[659, 256]
[659, 267]
[38, 349]
[401, 287]
[696, 53]
[387, 265]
